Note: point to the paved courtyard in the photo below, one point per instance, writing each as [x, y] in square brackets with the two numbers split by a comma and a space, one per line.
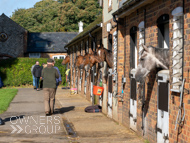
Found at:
[25, 121]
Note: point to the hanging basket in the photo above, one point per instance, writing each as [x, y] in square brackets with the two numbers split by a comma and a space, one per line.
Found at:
[97, 90]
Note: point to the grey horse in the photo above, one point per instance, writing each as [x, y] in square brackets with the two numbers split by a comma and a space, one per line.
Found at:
[151, 58]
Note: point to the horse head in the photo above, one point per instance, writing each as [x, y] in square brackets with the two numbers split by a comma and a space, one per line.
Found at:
[94, 58]
[78, 62]
[66, 60]
[105, 55]
[151, 58]
[101, 53]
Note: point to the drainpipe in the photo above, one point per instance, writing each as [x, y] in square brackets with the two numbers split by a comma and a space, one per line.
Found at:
[183, 37]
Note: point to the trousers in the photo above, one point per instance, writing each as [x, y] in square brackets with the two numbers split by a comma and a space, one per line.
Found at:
[33, 80]
[49, 97]
[37, 81]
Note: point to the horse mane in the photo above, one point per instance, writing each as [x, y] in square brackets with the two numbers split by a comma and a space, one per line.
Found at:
[162, 54]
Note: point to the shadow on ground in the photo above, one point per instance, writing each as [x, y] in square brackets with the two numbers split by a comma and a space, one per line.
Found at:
[64, 109]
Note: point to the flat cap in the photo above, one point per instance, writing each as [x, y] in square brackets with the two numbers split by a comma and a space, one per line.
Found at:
[50, 60]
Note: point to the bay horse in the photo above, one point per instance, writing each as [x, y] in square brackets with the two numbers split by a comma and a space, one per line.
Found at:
[66, 60]
[87, 60]
[151, 58]
[105, 55]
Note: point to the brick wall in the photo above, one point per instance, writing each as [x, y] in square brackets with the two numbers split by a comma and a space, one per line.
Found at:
[98, 36]
[153, 12]
[182, 134]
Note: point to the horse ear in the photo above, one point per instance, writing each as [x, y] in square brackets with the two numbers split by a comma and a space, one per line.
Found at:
[145, 47]
[102, 46]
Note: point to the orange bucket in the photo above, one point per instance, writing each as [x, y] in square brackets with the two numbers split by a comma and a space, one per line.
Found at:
[97, 90]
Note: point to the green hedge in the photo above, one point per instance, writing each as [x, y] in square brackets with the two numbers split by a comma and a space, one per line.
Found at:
[17, 71]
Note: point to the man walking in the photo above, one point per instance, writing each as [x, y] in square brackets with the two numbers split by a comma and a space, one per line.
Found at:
[33, 75]
[49, 75]
[37, 74]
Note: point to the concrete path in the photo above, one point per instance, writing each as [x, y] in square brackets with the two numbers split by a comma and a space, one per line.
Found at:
[92, 127]
[25, 120]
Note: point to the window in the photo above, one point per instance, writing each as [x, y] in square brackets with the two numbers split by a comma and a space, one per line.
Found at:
[59, 57]
[43, 44]
[177, 49]
[133, 47]
[110, 3]
[34, 55]
[163, 31]
[110, 42]
[141, 36]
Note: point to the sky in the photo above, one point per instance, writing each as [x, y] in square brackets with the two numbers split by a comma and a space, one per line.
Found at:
[9, 6]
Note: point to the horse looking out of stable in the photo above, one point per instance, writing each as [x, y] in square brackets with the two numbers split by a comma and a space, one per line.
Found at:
[66, 60]
[151, 58]
[87, 59]
[105, 55]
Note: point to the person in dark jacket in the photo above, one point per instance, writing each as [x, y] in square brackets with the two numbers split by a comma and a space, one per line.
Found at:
[49, 76]
[37, 74]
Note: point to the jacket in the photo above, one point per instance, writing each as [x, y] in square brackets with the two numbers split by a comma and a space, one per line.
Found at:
[49, 75]
[37, 70]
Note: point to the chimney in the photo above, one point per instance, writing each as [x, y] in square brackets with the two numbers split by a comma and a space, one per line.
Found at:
[80, 24]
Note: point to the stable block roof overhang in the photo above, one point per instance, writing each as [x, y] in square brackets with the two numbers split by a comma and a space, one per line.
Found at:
[130, 6]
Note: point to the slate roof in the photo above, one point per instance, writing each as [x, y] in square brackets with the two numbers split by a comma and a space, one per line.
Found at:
[55, 42]
[92, 26]
[4, 19]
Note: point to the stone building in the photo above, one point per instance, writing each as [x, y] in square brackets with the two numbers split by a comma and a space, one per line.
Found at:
[15, 41]
[13, 38]
[48, 44]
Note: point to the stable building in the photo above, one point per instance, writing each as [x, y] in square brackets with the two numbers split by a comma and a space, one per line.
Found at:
[162, 24]
[85, 42]
[110, 42]
[15, 41]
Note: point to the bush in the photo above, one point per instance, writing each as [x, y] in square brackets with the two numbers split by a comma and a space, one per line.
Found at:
[17, 71]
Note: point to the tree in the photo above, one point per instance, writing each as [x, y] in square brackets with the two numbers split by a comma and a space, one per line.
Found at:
[71, 13]
[60, 15]
[41, 18]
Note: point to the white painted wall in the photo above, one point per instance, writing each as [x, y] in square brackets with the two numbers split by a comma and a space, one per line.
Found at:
[108, 15]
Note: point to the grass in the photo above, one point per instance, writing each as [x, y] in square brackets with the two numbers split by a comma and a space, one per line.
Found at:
[146, 141]
[6, 96]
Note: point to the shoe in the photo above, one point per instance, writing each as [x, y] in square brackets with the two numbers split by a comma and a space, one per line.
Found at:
[38, 89]
[47, 113]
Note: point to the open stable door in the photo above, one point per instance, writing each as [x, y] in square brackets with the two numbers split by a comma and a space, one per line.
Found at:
[110, 93]
[133, 101]
[163, 107]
